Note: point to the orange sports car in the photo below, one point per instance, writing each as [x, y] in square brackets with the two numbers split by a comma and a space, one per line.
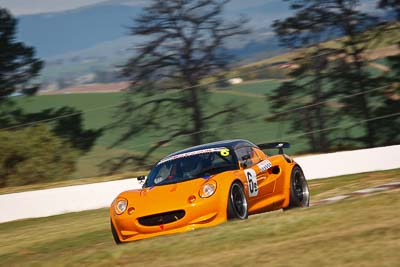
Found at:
[206, 185]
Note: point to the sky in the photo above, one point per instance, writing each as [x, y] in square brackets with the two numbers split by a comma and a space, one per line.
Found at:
[25, 7]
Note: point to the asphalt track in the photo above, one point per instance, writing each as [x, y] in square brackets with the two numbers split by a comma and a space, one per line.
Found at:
[362, 192]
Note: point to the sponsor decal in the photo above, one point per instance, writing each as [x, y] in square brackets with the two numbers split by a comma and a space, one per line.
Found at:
[223, 151]
[264, 165]
[252, 182]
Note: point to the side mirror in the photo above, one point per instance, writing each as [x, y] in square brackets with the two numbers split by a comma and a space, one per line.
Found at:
[246, 157]
[141, 179]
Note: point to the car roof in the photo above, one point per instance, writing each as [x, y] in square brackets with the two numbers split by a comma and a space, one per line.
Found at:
[233, 144]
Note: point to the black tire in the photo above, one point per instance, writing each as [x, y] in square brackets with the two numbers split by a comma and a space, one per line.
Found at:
[237, 203]
[299, 192]
[114, 233]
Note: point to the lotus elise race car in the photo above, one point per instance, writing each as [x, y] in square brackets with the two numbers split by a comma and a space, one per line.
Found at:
[206, 185]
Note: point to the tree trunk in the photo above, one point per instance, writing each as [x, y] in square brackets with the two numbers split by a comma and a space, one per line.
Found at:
[319, 116]
[370, 137]
[197, 116]
[356, 57]
[309, 125]
[321, 125]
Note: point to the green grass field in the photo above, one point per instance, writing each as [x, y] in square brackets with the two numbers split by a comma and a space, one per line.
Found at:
[359, 231]
[261, 88]
[100, 109]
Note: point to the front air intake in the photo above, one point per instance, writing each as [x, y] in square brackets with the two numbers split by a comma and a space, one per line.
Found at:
[162, 218]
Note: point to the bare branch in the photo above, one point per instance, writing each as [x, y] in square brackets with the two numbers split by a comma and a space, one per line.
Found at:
[216, 114]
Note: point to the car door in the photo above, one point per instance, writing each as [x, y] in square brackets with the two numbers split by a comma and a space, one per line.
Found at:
[266, 182]
[254, 164]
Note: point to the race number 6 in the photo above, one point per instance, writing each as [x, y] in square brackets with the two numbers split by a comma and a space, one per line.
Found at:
[252, 182]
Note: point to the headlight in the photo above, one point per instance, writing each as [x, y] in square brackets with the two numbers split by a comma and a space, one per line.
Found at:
[121, 206]
[208, 189]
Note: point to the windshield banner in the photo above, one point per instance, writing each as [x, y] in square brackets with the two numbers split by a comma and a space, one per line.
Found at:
[223, 150]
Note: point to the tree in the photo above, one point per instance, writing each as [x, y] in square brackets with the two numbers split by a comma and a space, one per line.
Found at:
[68, 126]
[307, 95]
[34, 155]
[390, 131]
[307, 28]
[350, 74]
[185, 42]
[18, 65]
[344, 72]
[391, 4]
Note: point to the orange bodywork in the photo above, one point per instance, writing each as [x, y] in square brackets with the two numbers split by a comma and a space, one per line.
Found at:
[268, 189]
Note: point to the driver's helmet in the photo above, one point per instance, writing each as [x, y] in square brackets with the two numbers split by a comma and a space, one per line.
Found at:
[208, 159]
[192, 165]
[189, 164]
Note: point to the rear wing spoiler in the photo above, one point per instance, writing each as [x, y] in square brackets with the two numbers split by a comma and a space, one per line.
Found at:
[276, 145]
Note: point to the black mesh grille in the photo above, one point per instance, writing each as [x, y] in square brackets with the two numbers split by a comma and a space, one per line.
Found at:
[162, 218]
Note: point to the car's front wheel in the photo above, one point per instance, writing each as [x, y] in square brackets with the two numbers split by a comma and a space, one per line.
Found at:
[299, 193]
[237, 203]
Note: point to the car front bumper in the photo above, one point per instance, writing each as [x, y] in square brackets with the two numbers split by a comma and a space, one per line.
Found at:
[199, 214]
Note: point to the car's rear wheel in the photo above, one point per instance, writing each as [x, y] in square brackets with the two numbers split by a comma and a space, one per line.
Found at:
[114, 233]
[299, 193]
[237, 203]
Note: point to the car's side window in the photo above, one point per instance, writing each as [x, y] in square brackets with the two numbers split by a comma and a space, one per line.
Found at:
[242, 155]
[254, 156]
[247, 156]
[260, 154]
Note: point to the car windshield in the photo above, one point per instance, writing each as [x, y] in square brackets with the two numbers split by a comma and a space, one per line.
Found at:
[191, 165]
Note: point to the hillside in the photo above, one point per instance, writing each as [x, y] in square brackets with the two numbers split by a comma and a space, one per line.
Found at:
[60, 33]
[385, 45]
[94, 38]
[57, 34]
[82, 43]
